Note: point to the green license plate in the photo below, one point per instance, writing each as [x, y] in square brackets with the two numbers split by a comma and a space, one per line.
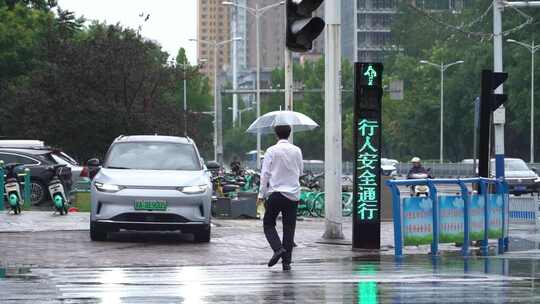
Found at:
[151, 205]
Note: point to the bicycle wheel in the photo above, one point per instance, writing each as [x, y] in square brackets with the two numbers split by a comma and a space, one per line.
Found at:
[319, 204]
[346, 203]
[310, 204]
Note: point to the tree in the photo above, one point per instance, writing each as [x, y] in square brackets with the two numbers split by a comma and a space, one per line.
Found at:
[80, 87]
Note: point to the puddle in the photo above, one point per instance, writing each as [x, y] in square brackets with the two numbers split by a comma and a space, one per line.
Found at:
[368, 279]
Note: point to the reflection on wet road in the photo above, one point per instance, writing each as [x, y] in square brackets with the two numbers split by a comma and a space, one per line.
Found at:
[414, 280]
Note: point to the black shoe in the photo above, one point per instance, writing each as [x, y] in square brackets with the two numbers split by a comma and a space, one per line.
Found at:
[275, 258]
[286, 267]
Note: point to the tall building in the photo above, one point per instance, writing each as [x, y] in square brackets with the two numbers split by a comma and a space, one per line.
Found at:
[239, 19]
[272, 41]
[272, 36]
[213, 26]
[373, 19]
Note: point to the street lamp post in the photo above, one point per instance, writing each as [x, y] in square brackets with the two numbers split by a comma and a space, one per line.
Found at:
[185, 67]
[240, 113]
[532, 48]
[442, 67]
[257, 12]
[215, 45]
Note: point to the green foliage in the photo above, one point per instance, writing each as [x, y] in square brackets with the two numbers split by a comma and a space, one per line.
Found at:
[310, 76]
[411, 126]
[21, 31]
[79, 87]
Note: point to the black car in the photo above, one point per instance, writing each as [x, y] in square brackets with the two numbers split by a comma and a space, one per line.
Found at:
[37, 160]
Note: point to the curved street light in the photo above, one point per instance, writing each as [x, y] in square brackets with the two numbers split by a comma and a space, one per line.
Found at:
[257, 13]
[442, 67]
[215, 45]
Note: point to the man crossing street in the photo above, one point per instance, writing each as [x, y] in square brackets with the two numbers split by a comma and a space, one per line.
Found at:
[280, 186]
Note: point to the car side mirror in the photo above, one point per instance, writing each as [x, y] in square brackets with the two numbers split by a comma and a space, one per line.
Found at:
[213, 165]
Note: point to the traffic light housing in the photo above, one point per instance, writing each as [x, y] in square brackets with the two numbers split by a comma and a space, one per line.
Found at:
[489, 102]
[301, 27]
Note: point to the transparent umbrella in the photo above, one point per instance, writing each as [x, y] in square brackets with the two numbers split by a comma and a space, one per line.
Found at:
[266, 123]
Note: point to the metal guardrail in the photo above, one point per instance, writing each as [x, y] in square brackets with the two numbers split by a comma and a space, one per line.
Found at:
[523, 210]
[463, 214]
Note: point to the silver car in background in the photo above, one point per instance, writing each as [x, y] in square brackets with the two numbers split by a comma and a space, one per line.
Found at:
[151, 183]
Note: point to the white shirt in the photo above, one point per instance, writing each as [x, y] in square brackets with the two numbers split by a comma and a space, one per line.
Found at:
[281, 170]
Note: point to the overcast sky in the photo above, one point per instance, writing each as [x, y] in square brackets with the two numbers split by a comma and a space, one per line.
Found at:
[172, 22]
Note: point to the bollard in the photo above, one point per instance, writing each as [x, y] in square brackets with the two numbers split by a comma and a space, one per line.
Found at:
[436, 228]
[466, 217]
[485, 192]
[27, 188]
[396, 214]
[1, 185]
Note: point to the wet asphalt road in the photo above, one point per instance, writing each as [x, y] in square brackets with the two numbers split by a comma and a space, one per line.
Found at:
[66, 267]
[417, 279]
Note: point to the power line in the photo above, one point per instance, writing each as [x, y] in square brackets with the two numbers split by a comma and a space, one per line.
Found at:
[468, 33]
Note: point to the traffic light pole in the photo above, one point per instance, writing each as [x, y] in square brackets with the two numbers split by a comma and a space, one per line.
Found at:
[499, 114]
[332, 122]
[289, 89]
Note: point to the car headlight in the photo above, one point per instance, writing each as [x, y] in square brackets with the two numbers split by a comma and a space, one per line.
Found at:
[108, 187]
[193, 189]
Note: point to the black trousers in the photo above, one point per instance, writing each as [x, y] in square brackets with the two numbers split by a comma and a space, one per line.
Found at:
[275, 204]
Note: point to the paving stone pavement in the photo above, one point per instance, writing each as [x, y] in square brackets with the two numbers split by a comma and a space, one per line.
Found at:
[46, 240]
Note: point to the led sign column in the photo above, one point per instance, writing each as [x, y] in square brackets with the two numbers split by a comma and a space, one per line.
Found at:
[367, 158]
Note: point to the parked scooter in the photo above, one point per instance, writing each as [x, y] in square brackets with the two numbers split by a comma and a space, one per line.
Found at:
[13, 188]
[57, 190]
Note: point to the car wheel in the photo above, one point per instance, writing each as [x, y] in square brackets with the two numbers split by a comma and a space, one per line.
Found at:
[202, 235]
[37, 191]
[97, 233]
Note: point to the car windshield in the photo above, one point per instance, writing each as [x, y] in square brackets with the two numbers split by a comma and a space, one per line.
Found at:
[512, 165]
[63, 159]
[153, 156]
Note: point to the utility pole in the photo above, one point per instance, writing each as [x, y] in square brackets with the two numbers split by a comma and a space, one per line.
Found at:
[289, 82]
[219, 129]
[185, 104]
[289, 85]
[499, 116]
[332, 121]
[185, 67]
[234, 68]
[218, 147]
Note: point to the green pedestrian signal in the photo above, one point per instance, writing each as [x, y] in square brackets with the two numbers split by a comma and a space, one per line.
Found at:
[371, 74]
